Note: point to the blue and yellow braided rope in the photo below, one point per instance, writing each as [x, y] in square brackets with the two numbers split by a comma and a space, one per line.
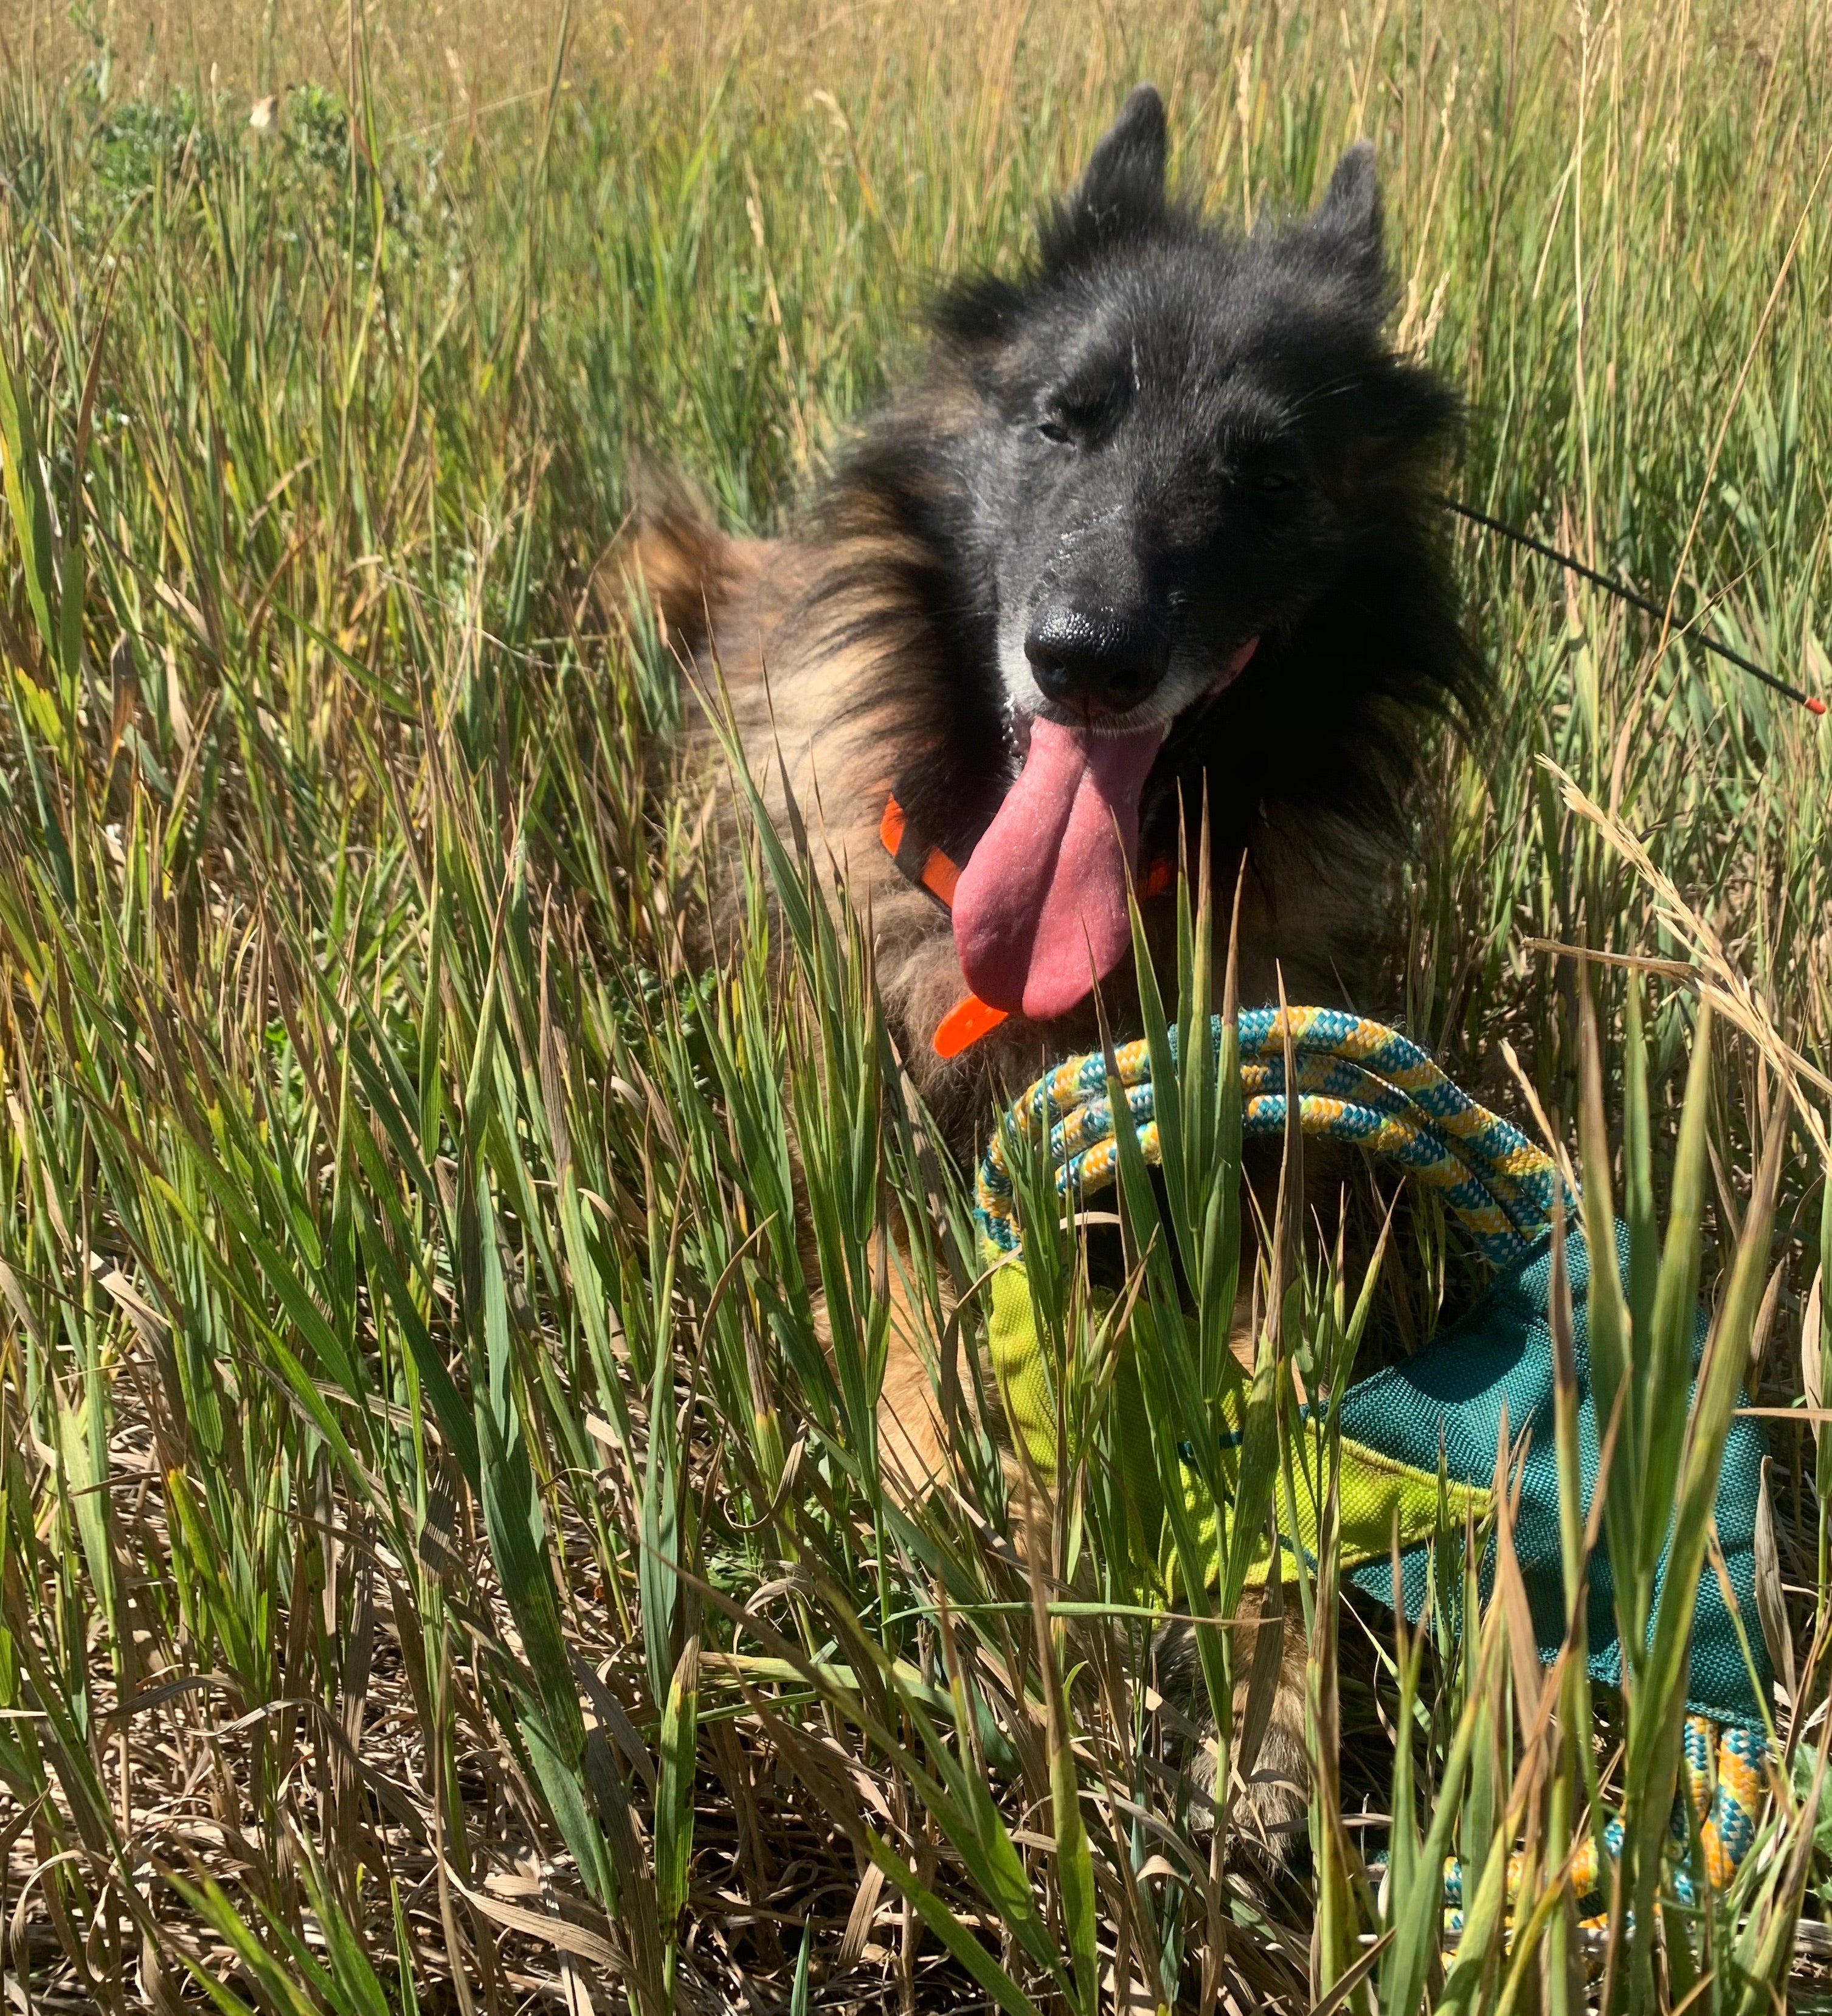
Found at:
[1357, 1081]
[1726, 1807]
[1361, 1081]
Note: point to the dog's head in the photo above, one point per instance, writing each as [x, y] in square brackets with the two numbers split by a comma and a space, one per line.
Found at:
[1183, 426]
[1186, 485]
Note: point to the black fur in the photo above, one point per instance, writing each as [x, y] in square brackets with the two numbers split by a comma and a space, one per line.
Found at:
[1199, 436]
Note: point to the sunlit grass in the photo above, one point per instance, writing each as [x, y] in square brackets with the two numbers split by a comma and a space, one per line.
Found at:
[438, 1564]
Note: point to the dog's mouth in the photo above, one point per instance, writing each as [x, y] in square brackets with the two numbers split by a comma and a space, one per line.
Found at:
[1040, 913]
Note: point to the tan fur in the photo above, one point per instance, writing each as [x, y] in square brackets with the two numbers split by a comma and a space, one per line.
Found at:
[673, 557]
[1277, 1777]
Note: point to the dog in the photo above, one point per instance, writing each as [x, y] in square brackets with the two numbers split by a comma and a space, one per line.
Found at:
[1154, 531]
[1153, 535]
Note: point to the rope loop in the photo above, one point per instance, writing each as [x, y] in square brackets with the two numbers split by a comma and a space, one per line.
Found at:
[1356, 1080]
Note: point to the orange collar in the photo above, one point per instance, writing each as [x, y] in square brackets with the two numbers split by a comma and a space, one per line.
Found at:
[929, 869]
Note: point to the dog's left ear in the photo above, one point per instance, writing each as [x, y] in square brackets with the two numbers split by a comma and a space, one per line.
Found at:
[1122, 191]
[1349, 213]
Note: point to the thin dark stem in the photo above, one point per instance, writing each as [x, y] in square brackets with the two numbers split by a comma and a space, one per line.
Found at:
[1633, 596]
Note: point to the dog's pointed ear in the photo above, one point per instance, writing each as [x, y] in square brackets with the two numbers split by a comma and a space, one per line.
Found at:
[1122, 191]
[1350, 210]
[1125, 173]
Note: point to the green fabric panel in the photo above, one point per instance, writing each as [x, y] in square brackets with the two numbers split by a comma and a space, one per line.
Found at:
[1373, 1486]
[1018, 1366]
[1028, 1391]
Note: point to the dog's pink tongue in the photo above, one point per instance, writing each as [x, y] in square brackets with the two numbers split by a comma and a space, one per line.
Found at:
[1040, 911]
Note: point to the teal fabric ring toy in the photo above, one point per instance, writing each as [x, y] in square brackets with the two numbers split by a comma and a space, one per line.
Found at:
[1360, 1081]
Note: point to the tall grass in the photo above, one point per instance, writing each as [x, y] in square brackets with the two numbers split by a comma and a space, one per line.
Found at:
[439, 1567]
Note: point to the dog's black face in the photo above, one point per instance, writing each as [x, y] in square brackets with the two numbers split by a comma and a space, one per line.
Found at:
[1180, 431]
[1167, 507]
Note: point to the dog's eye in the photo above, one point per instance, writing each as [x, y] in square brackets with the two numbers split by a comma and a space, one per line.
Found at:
[1272, 481]
[1054, 430]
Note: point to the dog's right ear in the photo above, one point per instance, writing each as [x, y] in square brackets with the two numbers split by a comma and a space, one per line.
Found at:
[1122, 191]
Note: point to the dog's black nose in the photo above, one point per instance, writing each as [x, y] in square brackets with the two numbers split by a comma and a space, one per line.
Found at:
[1106, 659]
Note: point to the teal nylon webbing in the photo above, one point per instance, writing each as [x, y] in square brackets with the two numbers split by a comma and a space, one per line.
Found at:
[1500, 1353]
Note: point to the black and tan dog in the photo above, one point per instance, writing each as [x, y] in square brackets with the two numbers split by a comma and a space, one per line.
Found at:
[1155, 523]
[1154, 528]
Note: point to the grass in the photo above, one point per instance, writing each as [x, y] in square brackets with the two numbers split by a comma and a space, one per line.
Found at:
[439, 1569]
